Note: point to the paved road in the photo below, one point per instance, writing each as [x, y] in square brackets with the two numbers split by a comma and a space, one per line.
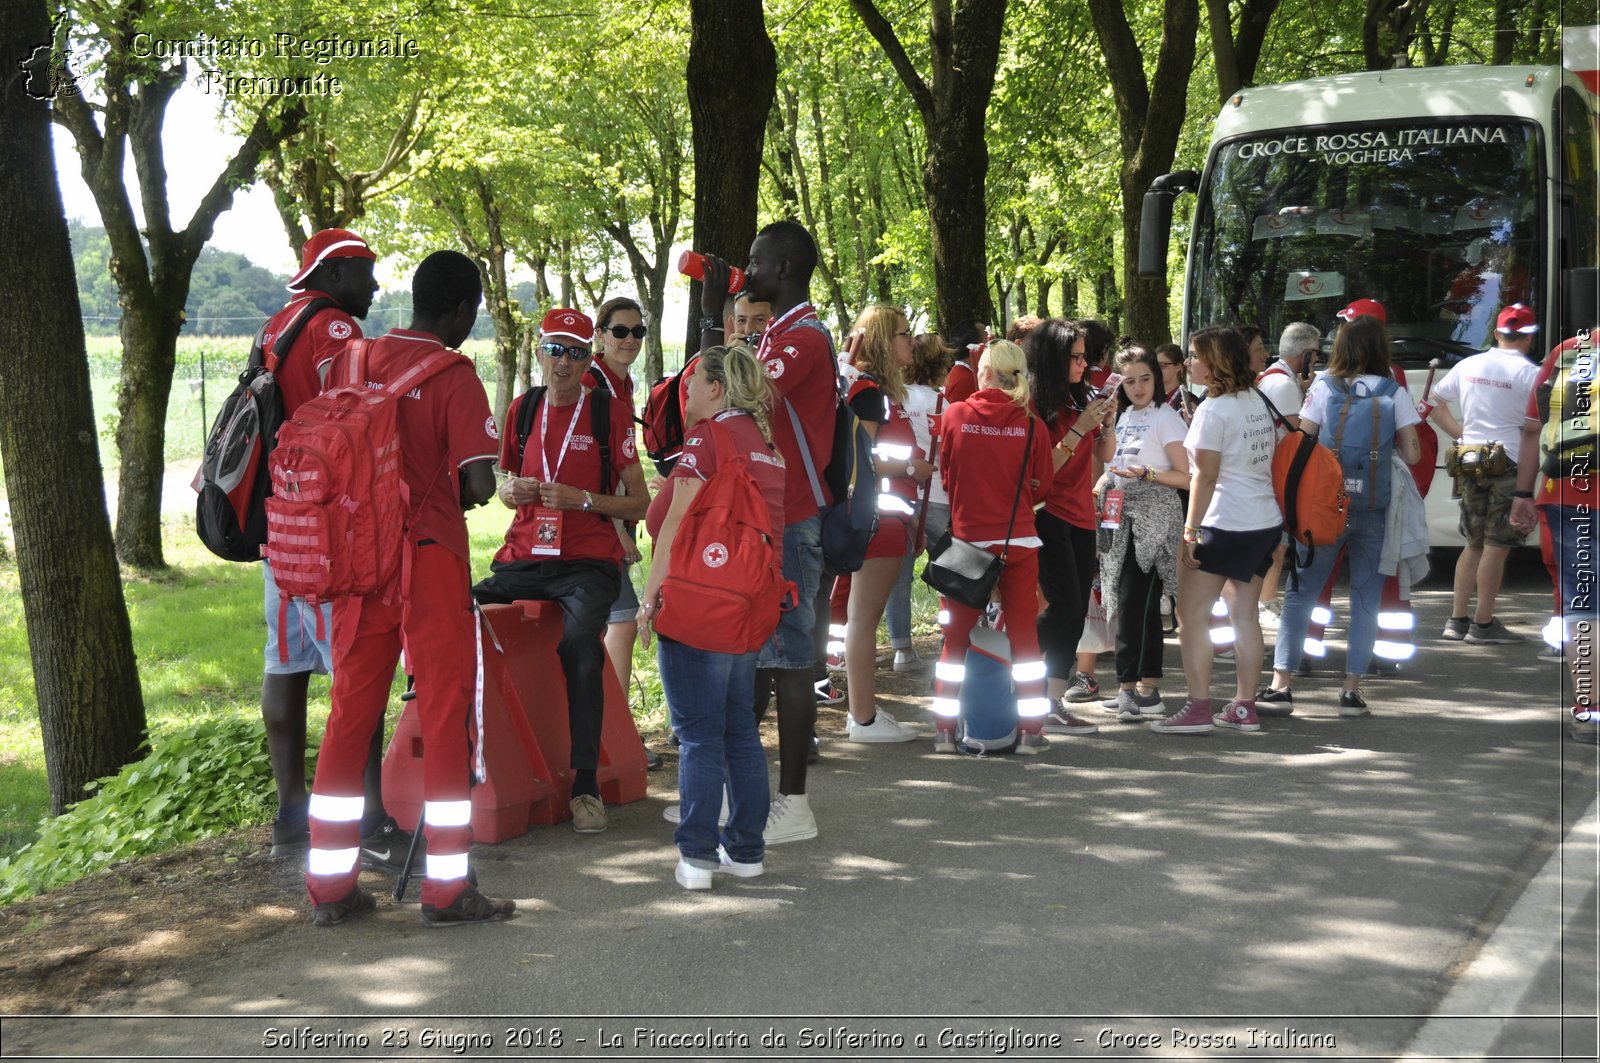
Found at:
[1337, 878]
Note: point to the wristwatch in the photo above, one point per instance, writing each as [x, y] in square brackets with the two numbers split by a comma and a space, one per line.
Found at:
[588, 502]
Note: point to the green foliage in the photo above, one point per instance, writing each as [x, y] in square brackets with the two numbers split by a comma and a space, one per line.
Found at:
[199, 780]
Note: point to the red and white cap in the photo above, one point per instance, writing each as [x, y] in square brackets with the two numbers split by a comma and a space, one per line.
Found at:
[329, 243]
[569, 324]
[1363, 308]
[1517, 318]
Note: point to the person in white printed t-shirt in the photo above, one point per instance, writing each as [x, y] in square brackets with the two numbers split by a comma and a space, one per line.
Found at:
[1492, 391]
[1284, 383]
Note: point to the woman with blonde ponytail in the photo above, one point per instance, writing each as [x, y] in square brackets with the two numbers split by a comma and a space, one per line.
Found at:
[985, 448]
[709, 694]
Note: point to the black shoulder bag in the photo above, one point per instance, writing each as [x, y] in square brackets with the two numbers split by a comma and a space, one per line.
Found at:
[967, 573]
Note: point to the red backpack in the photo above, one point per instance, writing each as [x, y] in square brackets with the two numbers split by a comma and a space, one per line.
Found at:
[337, 515]
[725, 588]
[663, 418]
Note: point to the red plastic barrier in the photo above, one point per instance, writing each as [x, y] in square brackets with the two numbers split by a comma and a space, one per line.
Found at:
[527, 742]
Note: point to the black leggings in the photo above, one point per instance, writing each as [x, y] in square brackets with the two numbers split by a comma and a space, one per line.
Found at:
[1067, 566]
[1139, 636]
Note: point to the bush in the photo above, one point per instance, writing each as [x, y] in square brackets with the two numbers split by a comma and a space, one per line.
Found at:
[197, 781]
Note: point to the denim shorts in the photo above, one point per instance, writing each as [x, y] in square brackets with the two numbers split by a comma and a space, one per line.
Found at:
[1238, 555]
[790, 645]
[307, 653]
[625, 609]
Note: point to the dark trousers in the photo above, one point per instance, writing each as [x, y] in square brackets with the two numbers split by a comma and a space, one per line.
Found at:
[585, 590]
[1066, 576]
[1138, 622]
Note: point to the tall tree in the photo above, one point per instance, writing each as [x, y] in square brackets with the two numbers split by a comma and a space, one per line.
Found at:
[1236, 50]
[1150, 114]
[732, 78]
[953, 103]
[91, 712]
[151, 264]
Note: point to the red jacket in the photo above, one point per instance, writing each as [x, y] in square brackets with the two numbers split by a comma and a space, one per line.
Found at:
[982, 443]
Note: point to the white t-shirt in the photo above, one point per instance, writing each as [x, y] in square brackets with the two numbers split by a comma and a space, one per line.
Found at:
[1491, 390]
[918, 408]
[1240, 429]
[1143, 435]
[1281, 386]
[1316, 404]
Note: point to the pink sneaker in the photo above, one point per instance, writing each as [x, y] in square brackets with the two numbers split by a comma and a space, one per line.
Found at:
[1239, 716]
[1195, 719]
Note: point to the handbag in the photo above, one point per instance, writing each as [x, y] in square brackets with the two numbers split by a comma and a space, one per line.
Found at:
[967, 573]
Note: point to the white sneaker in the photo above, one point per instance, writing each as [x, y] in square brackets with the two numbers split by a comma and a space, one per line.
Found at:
[883, 729]
[907, 661]
[790, 819]
[674, 813]
[691, 877]
[726, 865]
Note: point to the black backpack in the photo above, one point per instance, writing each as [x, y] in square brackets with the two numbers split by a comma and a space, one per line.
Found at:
[601, 424]
[233, 483]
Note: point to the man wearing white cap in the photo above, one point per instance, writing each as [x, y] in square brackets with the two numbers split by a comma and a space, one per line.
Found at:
[333, 287]
[1492, 390]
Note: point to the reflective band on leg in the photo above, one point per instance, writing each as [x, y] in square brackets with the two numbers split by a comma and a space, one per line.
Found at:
[332, 861]
[950, 671]
[335, 809]
[1315, 648]
[1033, 708]
[944, 618]
[480, 768]
[1321, 614]
[447, 813]
[1393, 651]
[1397, 621]
[1555, 632]
[1220, 635]
[449, 866]
[1027, 671]
[1219, 608]
[949, 708]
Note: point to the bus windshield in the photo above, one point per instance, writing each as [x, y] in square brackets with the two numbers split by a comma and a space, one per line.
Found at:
[1439, 220]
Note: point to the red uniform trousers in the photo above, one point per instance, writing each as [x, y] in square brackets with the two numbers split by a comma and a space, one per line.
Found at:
[430, 610]
[1019, 607]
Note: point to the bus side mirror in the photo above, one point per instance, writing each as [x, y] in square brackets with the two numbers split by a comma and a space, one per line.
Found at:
[1155, 219]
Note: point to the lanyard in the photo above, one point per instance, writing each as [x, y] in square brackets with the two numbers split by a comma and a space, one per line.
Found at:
[544, 430]
[782, 324]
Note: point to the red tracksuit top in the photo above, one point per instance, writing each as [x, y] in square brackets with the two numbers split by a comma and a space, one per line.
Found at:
[982, 456]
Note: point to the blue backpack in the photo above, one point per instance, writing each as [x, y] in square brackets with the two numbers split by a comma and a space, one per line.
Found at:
[1360, 429]
[989, 723]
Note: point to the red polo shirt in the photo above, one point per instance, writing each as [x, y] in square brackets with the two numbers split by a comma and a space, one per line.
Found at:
[621, 385]
[322, 337]
[799, 363]
[960, 383]
[701, 459]
[1071, 496]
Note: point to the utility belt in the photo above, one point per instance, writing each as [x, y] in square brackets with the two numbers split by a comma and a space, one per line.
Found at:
[1478, 461]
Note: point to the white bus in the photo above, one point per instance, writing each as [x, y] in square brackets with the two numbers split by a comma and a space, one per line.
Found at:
[1444, 193]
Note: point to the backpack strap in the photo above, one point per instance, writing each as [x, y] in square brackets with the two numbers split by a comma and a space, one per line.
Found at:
[530, 405]
[354, 361]
[601, 422]
[805, 454]
[273, 359]
[429, 366]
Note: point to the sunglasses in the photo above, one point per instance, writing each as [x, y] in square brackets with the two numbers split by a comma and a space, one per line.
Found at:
[622, 332]
[556, 352]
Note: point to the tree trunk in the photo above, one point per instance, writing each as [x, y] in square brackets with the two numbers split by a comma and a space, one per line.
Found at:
[1041, 299]
[1238, 51]
[149, 357]
[91, 711]
[727, 36]
[828, 242]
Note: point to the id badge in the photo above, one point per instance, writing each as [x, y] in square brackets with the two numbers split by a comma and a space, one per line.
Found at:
[546, 532]
[1111, 515]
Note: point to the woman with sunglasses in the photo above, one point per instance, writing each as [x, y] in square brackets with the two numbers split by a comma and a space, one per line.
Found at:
[1174, 384]
[620, 331]
[1058, 364]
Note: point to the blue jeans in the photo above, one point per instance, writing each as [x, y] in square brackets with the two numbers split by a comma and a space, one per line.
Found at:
[1573, 531]
[1362, 542]
[711, 697]
[897, 614]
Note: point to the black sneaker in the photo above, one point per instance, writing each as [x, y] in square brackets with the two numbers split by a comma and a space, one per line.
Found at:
[814, 750]
[470, 907]
[385, 848]
[1270, 702]
[290, 837]
[357, 902]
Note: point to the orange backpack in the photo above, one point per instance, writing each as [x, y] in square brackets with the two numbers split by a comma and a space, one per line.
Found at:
[1309, 483]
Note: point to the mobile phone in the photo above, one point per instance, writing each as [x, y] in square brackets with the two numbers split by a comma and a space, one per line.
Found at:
[1113, 382]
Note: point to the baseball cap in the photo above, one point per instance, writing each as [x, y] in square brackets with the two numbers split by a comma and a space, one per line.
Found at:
[568, 324]
[1363, 308]
[329, 243]
[1517, 318]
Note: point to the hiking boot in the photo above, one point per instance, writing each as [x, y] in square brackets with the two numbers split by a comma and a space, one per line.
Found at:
[692, 876]
[1084, 687]
[1493, 633]
[1352, 704]
[357, 902]
[1455, 629]
[907, 661]
[588, 814]
[1032, 743]
[1133, 706]
[470, 907]
[790, 820]
[1195, 719]
[727, 865]
[385, 848]
[1062, 722]
[827, 693]
[944, 742]
[1238, 716]
[290, 836]
[1270, 702]
[883, 729]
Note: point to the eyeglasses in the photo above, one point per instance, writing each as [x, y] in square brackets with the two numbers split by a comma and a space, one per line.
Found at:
[904, 332]
[556, 352]
[1078, 358]
[1169, 365]
[622, 332]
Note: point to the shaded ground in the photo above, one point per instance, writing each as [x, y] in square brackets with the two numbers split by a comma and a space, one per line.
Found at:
[130, 923]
